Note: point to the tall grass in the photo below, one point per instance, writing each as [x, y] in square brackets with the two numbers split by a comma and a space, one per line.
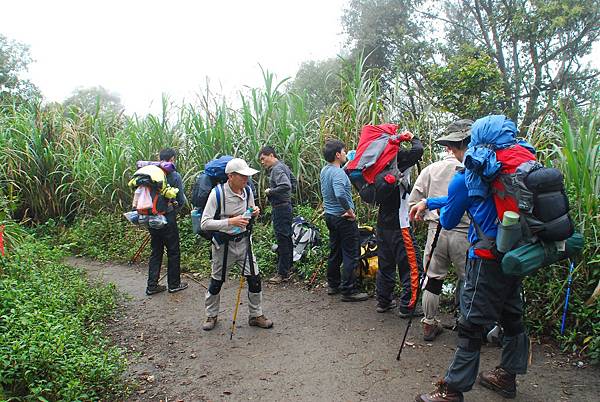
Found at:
[59, 163]
[36, 169]
[573, 136]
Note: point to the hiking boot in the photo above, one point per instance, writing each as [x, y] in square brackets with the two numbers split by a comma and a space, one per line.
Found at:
[278, 279]
[332, 291]
[499, 381]
[182, 286]
[355, 297]
[382, 308]
[404, 312]
[430, 331]
[441, 393]
[260, 321]
[209, 323]
[155, 289]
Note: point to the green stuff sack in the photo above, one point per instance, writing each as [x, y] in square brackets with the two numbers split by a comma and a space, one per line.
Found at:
[527, 259]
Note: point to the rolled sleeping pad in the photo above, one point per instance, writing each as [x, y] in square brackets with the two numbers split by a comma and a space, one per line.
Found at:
[527, 259]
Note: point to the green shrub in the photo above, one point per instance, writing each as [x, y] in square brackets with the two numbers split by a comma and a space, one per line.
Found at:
[109, 237]
[51, 342]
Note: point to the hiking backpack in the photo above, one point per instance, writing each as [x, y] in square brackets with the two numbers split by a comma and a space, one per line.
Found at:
[212, 176]
[536, 192]
[152, 195]
[374, 170]
[547, 233]
[220, 195]
[368, 263]
[305, 236]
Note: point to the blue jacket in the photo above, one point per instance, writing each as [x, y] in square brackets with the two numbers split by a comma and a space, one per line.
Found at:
[336, 190]
[488, 134]
[453, 206]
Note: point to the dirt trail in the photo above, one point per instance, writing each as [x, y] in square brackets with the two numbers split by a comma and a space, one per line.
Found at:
[320, 349]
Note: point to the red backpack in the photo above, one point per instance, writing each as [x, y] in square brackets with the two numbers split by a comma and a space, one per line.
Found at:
[374, 170]
[533, 191]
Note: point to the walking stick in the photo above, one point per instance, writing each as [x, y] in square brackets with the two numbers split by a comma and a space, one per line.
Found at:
[564, 315]
[237, 305]
[139, 251]
[316, 273]
[239, 293]
[412, 312]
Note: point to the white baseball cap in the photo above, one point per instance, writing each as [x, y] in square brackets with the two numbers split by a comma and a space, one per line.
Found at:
[237, 165]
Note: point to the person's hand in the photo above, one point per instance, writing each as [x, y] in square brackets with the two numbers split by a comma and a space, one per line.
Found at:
[406, 136]
[349, 215]
[255, 211]
[418, 211]
[238, 221]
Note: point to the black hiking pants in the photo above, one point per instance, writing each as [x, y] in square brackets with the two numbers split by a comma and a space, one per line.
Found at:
[282, 226]
[344, 246]
[167, 237]
[396, 251]
[487, 297]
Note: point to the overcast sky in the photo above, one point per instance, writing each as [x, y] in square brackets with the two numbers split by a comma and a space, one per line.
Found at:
[141, 49]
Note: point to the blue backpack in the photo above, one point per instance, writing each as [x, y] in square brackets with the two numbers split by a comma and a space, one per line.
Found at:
[213, 174]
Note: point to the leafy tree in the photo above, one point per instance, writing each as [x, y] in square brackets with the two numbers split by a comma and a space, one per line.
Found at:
[384, 29]
[469, 85]
[396, 42]
[95, 101]
[14, 59]
[537, 46]
[319, 83]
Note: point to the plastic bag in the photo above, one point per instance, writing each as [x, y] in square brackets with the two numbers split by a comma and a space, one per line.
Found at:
[132, 217]
[157, 221]
[144, 198]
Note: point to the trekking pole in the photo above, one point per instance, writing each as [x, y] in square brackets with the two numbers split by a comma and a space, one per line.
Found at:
[564, 315]
[239, 293]
[140, 250]
[438, 229]
[237, 305]
[316, 273]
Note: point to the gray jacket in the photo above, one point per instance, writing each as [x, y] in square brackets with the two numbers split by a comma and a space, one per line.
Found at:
[280, 184]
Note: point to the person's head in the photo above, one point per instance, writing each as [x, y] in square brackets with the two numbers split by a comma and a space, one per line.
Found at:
[334, 151]
[167, 155]
[267, 156]
[238, 172]
[456, 138]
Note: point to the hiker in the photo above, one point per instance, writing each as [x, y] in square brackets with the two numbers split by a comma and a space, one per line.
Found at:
[452, 244]
[396, 247]
[232, 243]
[341, 222]
[167, 237]
[488, 294]
[279, 194]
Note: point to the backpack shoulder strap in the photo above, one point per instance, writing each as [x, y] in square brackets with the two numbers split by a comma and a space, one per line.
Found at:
[220, 194]
[247, 191]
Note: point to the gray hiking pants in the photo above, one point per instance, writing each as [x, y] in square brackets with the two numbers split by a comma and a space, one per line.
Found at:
[488, 296]
[451, 249]
[237, 255]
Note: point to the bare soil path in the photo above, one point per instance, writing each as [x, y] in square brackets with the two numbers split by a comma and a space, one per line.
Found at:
[320, 349]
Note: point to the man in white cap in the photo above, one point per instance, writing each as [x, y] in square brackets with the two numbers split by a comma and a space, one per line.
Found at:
[232, 244]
